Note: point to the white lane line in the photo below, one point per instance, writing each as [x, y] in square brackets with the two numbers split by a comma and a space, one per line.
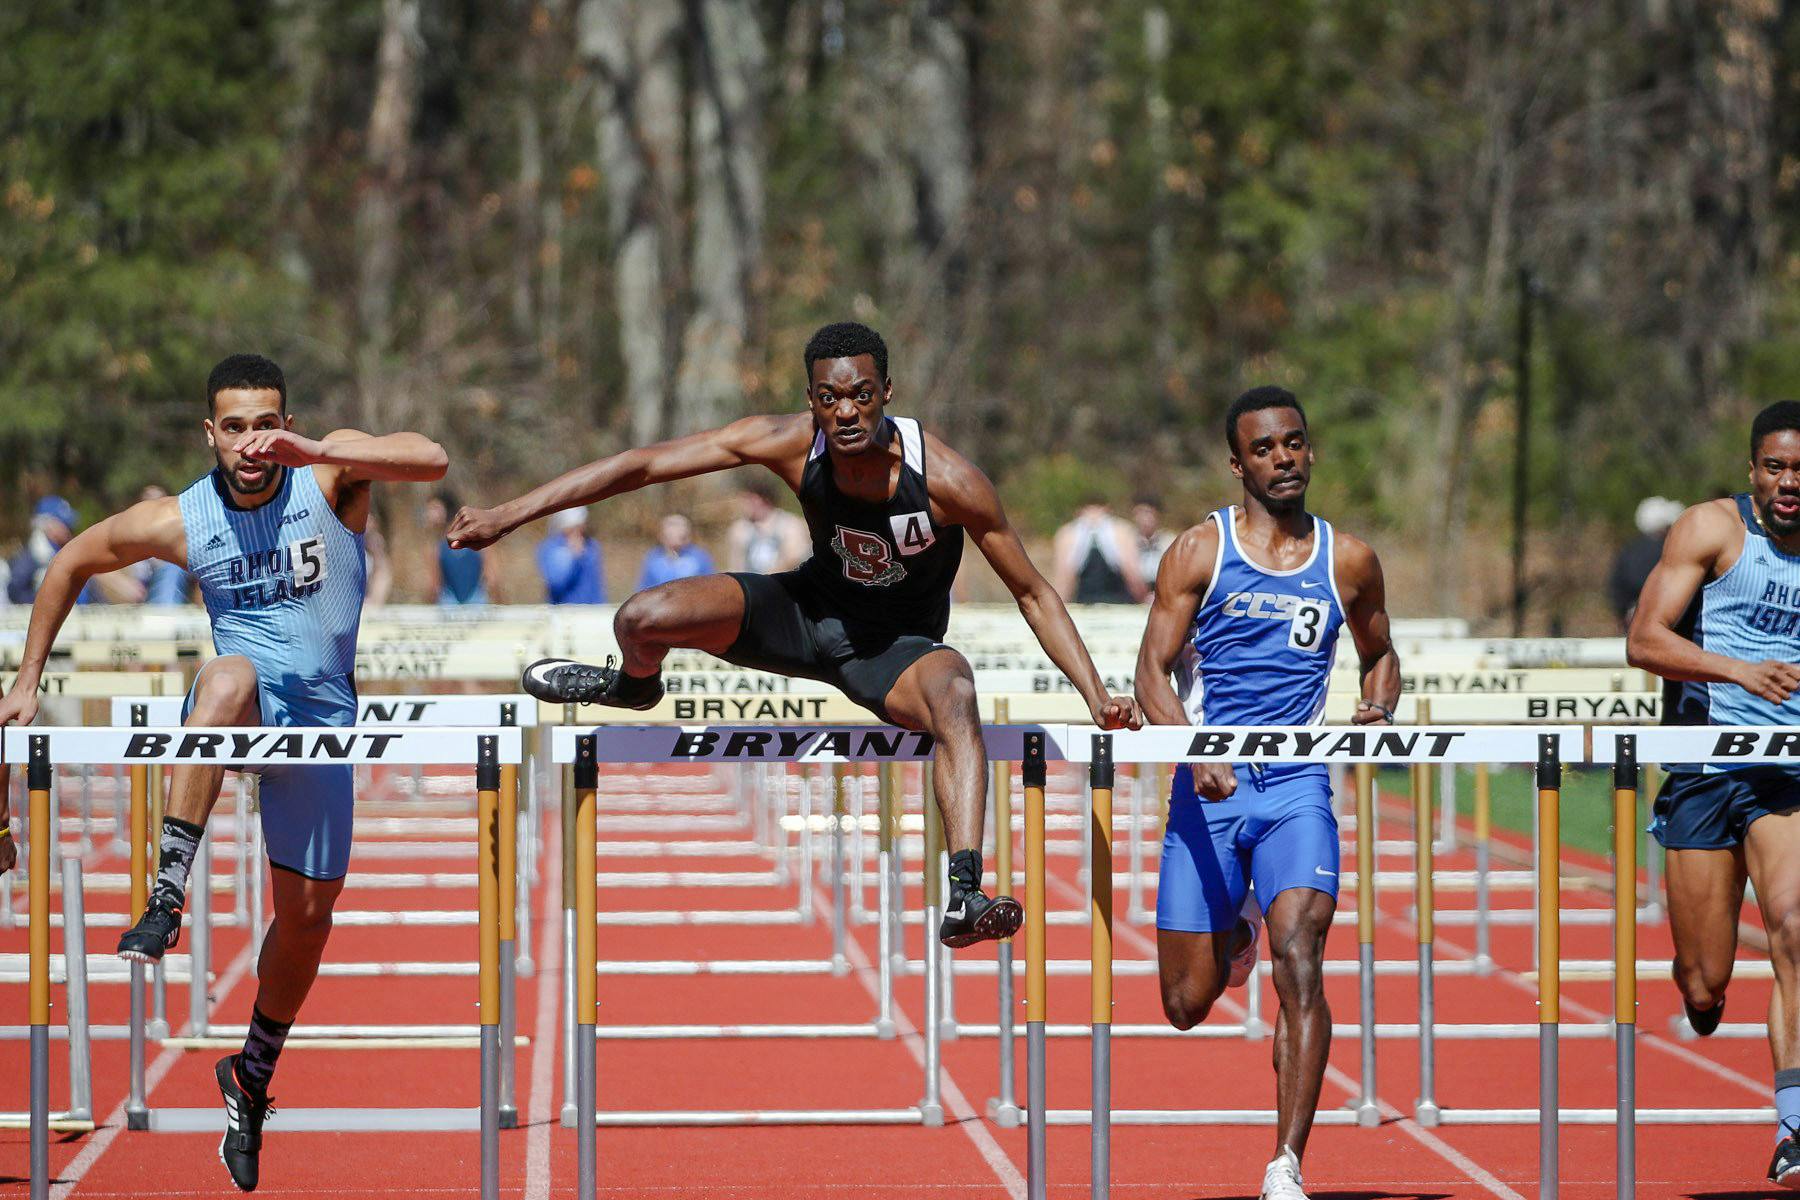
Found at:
[546, 1043]
[153, 1074]
[1474, 1172]
[967, 1119]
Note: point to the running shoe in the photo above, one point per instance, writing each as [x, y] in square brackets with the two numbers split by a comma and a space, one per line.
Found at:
[1281, 1178]
[1704, 1020]
[1243, 959]
[245, 1113]
[1784, 1168]
[155, 932]
[972, 917]
[564, 681]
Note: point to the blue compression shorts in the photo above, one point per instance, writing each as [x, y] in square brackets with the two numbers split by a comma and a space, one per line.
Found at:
[306, 810]
[1275, 832]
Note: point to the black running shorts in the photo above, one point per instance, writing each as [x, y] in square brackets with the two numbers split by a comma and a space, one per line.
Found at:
[788, 631]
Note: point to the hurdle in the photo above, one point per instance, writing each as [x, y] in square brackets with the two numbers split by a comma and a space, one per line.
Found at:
[1547, 747]
[484, 749]
[587, 749]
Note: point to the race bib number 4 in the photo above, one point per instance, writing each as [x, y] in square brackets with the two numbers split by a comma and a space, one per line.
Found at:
[868, 559]
[912, 533]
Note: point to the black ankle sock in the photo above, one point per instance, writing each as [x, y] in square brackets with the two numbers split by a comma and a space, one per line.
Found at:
[632, 686]
[180, 841]
[262, 1046]
[965, 871]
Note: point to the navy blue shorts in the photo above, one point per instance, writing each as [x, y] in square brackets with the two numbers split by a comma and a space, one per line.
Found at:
[1272, 834]
[306, 810]
[1696, 811]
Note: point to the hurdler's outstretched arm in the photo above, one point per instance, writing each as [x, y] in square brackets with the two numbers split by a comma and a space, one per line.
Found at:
[766, 441]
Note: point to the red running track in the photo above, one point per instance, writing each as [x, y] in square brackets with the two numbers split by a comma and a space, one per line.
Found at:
[969, 1156]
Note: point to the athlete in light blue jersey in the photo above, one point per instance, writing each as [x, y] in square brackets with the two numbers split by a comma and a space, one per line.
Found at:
[1248, 608]
[274, 536]
[1719, 620]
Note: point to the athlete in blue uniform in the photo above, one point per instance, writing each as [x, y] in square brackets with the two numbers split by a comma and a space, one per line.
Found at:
[1719, 620]
[1246, 617]
[274, 535]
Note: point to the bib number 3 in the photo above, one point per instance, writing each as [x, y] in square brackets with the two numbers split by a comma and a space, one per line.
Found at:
[1308, 627]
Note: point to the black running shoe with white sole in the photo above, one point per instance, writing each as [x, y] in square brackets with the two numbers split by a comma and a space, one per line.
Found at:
[245, 1113]
[1784, 1168]
[972, 917]
[1704, 1020]
[156, 931]
[564, 681]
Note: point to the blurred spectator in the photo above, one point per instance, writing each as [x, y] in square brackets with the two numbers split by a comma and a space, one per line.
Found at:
[764, 538]
[53, 523]
[675, 556]
[380, 581]
[1638, 557]
[163, 582]
[1152, 538]
[454, 576]
[569, 561]
[1097, 559]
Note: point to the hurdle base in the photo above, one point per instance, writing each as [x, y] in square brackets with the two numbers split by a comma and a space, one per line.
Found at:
[1193, 1116]
[1427, 1113]
[138, 1120]
[324, 1120]
[1006, 1115]
[886, 1030]
[722, 1117]
[1366, 1113]
[509, 1117]
[568, 1119]
[931, 1115]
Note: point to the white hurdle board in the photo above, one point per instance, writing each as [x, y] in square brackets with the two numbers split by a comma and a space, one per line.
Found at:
[1666, 744]
[249, 745]
[1396, 744]
[481, 711]
[787, 743]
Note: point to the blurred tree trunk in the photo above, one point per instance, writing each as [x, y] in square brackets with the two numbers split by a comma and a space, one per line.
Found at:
[635, 49]
[907, 108]
[726, 255]
[389, 148]
[302, 58]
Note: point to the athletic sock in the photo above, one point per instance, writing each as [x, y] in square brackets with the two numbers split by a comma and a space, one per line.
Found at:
[180, 840]
[262, 1046]
[965, 872]
[636, 687]
[1787, 1102]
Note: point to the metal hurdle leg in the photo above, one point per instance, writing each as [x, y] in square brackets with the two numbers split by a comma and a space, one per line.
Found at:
[840, 917]
[1003, 1109]
[487, 787]
[859, 908]
[137, 1116]
[200, 940]
[806, 838]
[1653, 854]
[259, 870]
[1425, 1109]
[37, 785]
[159, 982]
[1625, 836]
[570, 838]
[1033, 774]
[1100, 786]
[885, 900]
[1549, 782]
[931, 1108]
[937, 864]
[81, 1061]
[240, 874]
[1484, 961]
[1368, 1109]
[506, 851]
[585, 830]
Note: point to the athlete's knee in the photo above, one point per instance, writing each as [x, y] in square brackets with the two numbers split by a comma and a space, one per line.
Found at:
[1297, 960]
[1784, 939]
[1702, 983]
[226, 690]
[1186, 1004]
[308, 915]
[955, 698]
[643, 616]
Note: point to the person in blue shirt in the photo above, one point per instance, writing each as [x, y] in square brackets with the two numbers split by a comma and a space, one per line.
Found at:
[675, 556]
[570, 562]
[456, 577]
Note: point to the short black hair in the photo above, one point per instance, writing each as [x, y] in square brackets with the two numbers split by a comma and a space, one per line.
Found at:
[1255, 400]
[251, 372]
[846, 339]
[1778, 417]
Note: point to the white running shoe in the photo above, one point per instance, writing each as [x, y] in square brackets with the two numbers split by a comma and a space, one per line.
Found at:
[1244, 960]
[1281, 1178]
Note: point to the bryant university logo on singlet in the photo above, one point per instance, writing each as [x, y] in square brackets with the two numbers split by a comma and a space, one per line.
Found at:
[869, 558]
